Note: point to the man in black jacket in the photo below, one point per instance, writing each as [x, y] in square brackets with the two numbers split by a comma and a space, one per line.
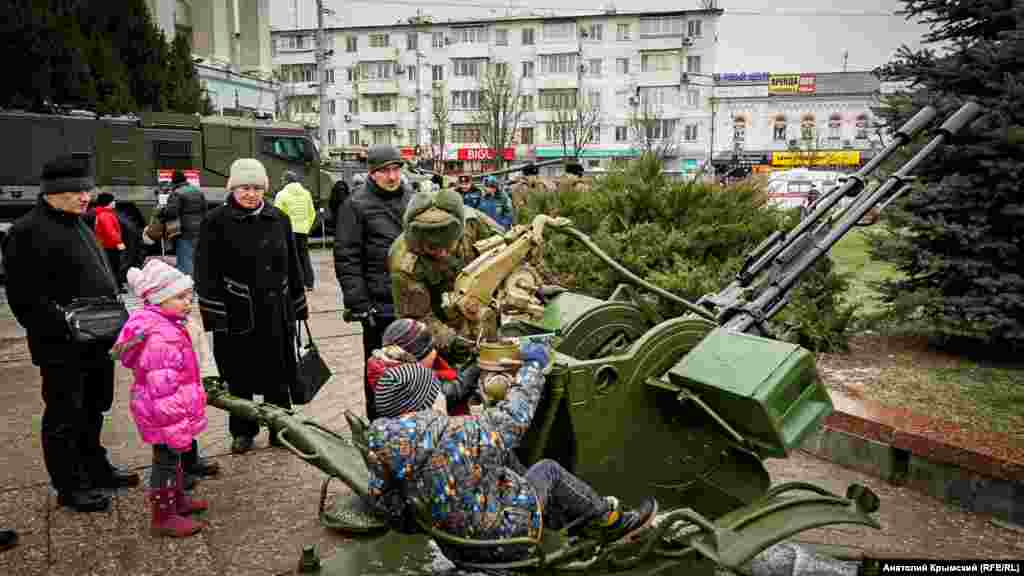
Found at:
[367, 223]
[187, 205]
[52, 258]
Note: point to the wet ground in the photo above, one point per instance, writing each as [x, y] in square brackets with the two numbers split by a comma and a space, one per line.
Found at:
[263, 505]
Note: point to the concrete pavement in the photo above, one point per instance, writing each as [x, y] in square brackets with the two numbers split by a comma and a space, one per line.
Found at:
[263, 505]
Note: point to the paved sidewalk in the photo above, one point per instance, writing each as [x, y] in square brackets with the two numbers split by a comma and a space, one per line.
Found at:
[263, 505]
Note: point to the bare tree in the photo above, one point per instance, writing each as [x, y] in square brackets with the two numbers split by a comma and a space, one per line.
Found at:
[440, 114]
[576, 126]
[651, 132]
[283, 94]
[501, 107]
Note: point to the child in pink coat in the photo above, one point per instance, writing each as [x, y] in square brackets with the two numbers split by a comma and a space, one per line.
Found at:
[168, 401]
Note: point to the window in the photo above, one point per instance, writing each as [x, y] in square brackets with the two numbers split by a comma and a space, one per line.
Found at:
[501, 69]
[661, 26]
[381, 135]
[303, 104]
[465, 133]
[289, 148]
[351, 43]
[739, 130]
[353, 106]
[526, 135]
[593, 32]
[594, 99]
[437, 72]
[331, 137]
[435, 136]
[438, 104]
[332, 107]
[526, 103]
[862, 127]
[412, 136]
[465, 67]
[555, 31]
[594, 67]
[465, 100]
[835, 126]
[437, 39]
[412, 41]
[659, 96]
[554, 132]
[694, 28]
[693, 98]
[621, 134]
[380, 103]
[528, 36]
[557, 99]
[622, 32]
[377, 70]
[527, 69]
[471, 35]
[379, 40]
[807, 127]
[660, 129]
[353, 137]
[690, 132]
[558, 64]
[329, 76]
[622, 66]
[501, 37]
[693, 64]
[412, 72]
[779, 129]
[595, 135]
[174, 154]
[658, 61]
[352, 74]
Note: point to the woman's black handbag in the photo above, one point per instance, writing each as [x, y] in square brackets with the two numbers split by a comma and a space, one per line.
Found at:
[95, 320]
[311, 373]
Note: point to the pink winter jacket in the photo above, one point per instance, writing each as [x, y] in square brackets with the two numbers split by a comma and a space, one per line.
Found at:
[168, 400]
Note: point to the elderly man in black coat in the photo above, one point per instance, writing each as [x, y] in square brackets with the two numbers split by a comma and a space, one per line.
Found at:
[250, 289]
[52, 258]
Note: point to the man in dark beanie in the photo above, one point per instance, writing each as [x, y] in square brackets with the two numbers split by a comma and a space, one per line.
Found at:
[52, 257]
[368, 222]
[186, 205]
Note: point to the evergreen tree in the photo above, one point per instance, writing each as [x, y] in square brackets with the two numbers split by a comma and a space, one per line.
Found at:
[957, 237]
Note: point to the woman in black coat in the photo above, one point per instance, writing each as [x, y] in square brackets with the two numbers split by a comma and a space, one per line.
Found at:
[250, 290]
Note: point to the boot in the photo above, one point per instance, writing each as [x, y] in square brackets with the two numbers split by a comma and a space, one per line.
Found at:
[166, 520]
[184, 503]
[625, 525]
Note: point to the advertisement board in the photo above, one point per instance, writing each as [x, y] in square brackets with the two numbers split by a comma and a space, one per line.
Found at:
[792, 83]
[485, 154]
[163, 175]
[817, 158]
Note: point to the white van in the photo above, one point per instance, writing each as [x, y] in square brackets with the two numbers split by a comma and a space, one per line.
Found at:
[789, 188]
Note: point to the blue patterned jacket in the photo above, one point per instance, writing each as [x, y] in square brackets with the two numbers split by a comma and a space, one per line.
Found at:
[461, 468]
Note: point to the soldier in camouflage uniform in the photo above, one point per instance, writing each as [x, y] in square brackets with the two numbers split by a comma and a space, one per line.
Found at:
[528, 184]
[437, 243]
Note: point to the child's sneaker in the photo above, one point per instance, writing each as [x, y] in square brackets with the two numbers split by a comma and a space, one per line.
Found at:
[623, 526]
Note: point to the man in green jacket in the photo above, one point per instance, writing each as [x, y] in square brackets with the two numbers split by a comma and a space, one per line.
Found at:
[295, 201]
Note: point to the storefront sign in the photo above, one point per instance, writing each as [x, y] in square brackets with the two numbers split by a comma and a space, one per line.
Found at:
[408, 152]
[164, 175]
[792, 83]
[485, 154]
[817, 158]
[559, 152]
[742, 77]
[689, 165]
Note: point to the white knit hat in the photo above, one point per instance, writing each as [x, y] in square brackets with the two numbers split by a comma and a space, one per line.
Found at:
[158, 281]
[248, 171]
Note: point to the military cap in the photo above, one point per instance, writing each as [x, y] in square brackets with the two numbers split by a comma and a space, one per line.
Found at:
[435, 218]
[383, 155]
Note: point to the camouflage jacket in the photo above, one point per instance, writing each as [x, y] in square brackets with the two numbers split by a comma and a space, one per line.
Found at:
[523, 187]
[420, 285]
[460, 469]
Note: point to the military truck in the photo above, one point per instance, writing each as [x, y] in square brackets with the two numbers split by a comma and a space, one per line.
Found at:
[130, 155]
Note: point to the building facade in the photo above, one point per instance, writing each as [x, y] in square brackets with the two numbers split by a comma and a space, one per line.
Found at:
[769, 121]
[418, 84]
[231, 46]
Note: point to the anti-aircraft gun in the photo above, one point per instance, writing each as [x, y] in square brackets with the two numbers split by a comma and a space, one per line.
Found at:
[685, 409]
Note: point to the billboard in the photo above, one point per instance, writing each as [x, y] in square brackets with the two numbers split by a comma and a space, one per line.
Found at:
[163, 175]
[792, 83]
[484, 154]
[817, 158]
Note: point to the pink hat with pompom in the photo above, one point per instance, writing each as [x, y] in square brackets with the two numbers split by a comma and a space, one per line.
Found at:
[157, 281]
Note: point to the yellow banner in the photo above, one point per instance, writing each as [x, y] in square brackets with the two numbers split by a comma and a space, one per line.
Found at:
[783, 83]
[817, 158]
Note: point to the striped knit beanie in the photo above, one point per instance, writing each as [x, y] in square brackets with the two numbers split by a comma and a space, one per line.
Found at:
[157, 281]
[409, 335]
[405, 388]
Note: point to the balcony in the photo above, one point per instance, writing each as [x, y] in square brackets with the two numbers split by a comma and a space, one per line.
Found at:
[368, 54]
[386, 86]
[661, 42]
[470, 50]
[659, 78]
[378, 118]
[556, 82]
[558, 47]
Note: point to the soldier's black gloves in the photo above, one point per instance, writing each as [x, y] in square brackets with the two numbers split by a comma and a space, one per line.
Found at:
[367, 316]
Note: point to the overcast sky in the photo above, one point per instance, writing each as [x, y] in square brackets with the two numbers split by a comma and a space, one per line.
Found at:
[755, 35]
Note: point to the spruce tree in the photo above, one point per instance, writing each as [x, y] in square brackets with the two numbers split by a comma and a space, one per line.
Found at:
[957, 237]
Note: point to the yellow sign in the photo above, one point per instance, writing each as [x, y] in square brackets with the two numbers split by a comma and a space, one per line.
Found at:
[792, 83]
[817, 158]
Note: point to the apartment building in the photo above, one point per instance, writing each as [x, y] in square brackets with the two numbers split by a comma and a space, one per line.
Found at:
[231, 49]
[775, 121]
[384, 82]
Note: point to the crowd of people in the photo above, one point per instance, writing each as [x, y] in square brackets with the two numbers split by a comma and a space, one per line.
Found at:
[246, 262]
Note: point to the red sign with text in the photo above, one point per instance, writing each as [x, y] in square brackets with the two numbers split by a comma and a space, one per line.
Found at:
[164, 175]
[485, 154]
